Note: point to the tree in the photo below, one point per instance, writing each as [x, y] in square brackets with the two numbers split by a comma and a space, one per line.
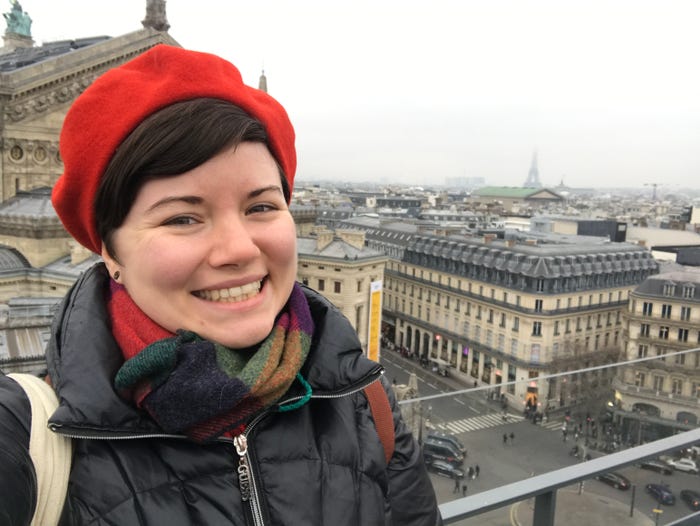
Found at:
[584, 393]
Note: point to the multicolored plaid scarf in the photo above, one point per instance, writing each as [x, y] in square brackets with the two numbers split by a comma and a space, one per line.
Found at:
[200, 388]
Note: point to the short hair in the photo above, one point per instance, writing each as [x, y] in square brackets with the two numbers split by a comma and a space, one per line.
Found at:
[170, 142]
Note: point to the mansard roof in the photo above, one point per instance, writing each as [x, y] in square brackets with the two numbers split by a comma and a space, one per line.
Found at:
[678, 285]
[540, 261]
[34, 203]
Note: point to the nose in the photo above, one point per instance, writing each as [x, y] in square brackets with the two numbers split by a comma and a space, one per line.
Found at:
[232, 243]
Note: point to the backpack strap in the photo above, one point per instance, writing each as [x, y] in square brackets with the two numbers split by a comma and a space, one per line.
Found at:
[49, 451]
[383, 417]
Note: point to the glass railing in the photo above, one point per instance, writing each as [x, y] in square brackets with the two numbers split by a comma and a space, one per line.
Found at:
[610, 444]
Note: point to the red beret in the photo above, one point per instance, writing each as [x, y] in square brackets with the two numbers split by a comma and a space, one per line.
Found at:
[116, 103]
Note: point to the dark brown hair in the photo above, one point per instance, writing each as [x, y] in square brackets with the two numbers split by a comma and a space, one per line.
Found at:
[170, 142]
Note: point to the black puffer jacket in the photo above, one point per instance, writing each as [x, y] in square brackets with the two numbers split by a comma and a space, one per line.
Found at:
[321, 464]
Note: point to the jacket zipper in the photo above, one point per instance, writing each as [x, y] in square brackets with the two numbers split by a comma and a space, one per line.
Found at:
[246, 482]
[246, 477]
[86, 435]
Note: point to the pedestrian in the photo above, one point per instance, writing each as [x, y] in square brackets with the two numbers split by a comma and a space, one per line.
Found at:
[505, 438]
[464, 490]
[476, 470]
[457, 485]
[512, 437]
[470, 472]
[192, 329]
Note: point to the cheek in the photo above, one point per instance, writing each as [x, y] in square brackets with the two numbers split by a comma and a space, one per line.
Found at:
[160, 264]
[284, 247]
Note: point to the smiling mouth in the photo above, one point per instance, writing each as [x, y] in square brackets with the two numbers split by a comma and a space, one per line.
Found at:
[232, 294]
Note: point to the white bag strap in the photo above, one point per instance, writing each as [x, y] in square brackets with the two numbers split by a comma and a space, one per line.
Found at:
[50, 452]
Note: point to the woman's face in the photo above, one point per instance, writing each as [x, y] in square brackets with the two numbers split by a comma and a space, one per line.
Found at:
[212, 250]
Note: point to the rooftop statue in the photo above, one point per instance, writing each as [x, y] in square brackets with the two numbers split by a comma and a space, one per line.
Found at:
[18, 21]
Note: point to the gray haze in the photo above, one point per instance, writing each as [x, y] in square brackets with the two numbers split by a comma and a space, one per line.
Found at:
[606, 91]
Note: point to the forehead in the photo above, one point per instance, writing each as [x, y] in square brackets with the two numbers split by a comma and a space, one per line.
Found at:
[236, 170]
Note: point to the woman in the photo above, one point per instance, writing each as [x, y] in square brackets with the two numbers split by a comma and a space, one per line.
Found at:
[200, 384]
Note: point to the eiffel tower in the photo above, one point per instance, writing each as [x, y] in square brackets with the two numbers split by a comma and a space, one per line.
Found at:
[533, 176]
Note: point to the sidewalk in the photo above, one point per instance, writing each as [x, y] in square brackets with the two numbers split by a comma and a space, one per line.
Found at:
[587, 509]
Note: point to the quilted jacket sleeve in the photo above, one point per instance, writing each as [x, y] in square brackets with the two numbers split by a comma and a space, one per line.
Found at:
[17, 477]
[411, 494]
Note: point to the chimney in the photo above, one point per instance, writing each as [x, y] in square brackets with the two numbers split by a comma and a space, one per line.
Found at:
[356, 238]
[642, 242]
[510, 242]
[531, 242]
[323, 239]
[488, 238]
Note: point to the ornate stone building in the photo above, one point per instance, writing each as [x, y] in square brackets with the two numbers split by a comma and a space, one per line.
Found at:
[37, 86]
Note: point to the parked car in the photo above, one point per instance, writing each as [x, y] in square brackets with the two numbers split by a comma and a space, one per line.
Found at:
[434, 450]
[661, 493]
[684, 464]
[656, 465]
[616, 480]
[691, 498]
[442, 369]
[692, 452]
[450, 439]
[446, 469]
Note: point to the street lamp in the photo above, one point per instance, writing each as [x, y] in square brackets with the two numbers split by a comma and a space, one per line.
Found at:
[424, 420]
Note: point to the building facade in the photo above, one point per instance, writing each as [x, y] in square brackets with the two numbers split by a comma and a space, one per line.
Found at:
[338, 265]
[663, 317]
[505, 311]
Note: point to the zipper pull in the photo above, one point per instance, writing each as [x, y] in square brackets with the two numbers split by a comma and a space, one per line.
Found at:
[241, 443]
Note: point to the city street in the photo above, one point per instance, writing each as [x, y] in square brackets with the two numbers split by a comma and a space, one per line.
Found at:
[535, 449]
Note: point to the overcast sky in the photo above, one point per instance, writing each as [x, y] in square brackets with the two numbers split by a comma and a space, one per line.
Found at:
[606, 91]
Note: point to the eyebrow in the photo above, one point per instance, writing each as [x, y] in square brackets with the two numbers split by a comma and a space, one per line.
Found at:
[195, 200]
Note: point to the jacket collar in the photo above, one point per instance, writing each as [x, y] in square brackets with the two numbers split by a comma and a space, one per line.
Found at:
[83, 358]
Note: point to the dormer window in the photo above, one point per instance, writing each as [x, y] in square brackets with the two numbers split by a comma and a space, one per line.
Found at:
[688, 290]
[669, 289]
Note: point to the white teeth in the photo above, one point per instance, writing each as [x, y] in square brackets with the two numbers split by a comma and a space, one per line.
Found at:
[232, 294]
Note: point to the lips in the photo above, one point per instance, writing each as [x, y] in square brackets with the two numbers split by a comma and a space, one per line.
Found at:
[231, 294]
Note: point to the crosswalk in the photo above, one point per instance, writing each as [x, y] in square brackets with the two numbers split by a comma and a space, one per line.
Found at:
[474, 423]
[464, 425]
[553, 425]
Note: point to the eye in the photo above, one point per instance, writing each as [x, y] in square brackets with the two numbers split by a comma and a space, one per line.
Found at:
[261, 207]
[180, 221]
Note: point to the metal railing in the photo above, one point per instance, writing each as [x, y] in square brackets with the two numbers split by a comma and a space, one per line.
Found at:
[544, 487]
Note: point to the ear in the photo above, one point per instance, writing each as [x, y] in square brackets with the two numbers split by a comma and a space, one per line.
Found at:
[111, 263]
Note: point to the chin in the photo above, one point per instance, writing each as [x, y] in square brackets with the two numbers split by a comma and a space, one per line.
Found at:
[242, 340]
